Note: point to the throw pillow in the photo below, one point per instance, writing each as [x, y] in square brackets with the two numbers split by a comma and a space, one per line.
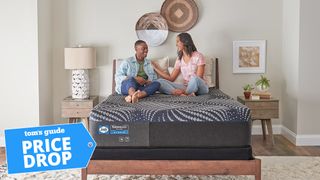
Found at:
[163, 63]
[209, 71]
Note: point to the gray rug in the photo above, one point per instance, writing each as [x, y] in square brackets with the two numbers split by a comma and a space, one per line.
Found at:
[273, 168]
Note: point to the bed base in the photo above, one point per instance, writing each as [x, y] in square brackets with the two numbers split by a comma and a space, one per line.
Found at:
[174, 167]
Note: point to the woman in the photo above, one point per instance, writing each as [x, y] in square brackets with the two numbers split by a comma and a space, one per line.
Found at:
[191, 64]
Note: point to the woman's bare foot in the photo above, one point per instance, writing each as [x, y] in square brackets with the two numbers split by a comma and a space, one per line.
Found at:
[128, 99]
[135, 97]
[177, 92]
[192, 94]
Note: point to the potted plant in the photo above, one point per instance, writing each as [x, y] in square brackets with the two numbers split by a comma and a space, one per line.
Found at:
[263, 84]
[247, 90]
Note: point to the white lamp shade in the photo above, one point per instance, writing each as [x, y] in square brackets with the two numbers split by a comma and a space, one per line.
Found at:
[79, 58]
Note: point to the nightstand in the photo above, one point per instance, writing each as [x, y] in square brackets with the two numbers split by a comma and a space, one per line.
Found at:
[74, 109]
[264, 110]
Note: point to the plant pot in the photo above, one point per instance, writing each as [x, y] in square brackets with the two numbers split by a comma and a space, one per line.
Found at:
[247, 94]
[262, 88]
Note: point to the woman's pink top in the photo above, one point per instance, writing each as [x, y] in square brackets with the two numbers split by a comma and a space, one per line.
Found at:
[190, 69]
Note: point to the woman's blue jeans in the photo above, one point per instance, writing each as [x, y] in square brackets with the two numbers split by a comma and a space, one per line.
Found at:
[196, 85]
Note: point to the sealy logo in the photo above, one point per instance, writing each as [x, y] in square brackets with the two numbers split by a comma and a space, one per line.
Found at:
[104, 129]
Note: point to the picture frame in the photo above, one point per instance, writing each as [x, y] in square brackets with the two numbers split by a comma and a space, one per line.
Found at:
[249, 56]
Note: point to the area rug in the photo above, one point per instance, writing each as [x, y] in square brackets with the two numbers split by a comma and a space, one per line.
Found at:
[273, 168]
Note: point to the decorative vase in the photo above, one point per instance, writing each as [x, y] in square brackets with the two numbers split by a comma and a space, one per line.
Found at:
[247, 94]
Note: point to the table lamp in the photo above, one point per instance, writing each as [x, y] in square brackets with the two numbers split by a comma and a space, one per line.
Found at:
[80, 59]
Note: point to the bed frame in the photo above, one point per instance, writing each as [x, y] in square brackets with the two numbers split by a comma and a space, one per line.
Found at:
[174, 167]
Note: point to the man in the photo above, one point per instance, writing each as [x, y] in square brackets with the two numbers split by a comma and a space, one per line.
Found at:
[135, 76]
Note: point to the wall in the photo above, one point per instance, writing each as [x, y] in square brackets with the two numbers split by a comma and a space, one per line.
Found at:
[290, 63]
[309, 98]
[26, 58]
[19, 103]
[110, 26]
[45, 61]
[61, 85]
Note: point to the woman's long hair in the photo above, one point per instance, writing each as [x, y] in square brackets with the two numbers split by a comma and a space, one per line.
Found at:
[189, 46]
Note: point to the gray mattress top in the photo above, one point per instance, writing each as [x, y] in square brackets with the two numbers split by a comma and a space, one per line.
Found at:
[212, 107]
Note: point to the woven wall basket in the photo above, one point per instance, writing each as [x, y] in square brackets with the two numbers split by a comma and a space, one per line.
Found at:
[181, 15]
[152, 28]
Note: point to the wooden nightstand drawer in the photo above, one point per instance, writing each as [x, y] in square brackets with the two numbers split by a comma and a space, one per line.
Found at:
[77, 104]
[263, 105]
[264, 113]
[74, 113]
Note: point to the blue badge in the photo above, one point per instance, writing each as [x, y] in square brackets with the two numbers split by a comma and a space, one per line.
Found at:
[48, 148]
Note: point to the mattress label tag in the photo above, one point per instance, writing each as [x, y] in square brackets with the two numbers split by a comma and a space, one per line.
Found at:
[119, 129]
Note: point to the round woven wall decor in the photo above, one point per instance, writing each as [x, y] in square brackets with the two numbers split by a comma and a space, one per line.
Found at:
[181, 15]
[152, 28]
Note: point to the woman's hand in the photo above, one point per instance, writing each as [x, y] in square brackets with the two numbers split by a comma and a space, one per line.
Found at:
[185, 82]
[155, 65]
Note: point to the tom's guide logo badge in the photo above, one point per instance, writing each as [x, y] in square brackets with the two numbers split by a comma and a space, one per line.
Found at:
[47, 148]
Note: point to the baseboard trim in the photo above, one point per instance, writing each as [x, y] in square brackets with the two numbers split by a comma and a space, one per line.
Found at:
[298, 140]
[308, 140]
[256, 129]
[287, 133]
[301, 140]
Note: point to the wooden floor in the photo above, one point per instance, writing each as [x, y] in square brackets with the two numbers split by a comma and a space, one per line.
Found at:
[282, 147]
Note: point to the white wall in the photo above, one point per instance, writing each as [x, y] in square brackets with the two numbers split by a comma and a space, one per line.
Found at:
[110, 26]
[45, 61]
[26, 61]
[290, 63]
[309, 84]
[19, 103]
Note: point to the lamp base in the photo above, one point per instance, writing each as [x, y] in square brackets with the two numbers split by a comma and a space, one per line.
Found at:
[80, 84]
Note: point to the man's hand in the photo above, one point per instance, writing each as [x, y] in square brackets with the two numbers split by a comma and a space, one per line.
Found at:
[140, 80]
[147, 82]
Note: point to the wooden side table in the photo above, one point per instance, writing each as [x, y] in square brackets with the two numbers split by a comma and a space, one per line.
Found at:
[264, 110]
[78, 109]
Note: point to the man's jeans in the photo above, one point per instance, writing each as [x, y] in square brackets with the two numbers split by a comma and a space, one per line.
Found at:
[196, 85]
[131, 82]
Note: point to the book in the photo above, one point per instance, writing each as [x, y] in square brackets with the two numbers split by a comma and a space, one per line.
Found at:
[262, 95]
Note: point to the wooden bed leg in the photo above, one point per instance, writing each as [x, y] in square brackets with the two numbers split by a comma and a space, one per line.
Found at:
[84, 174]
[258, 170]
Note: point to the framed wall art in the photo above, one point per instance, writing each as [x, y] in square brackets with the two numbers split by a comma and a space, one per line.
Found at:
[249, 56]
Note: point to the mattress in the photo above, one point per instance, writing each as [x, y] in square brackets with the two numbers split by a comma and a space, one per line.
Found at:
[164, 121]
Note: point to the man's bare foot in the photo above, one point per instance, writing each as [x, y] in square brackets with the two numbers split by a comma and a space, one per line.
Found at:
[128, 99]
[177, 92]
[192, 94]
[135, 97]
